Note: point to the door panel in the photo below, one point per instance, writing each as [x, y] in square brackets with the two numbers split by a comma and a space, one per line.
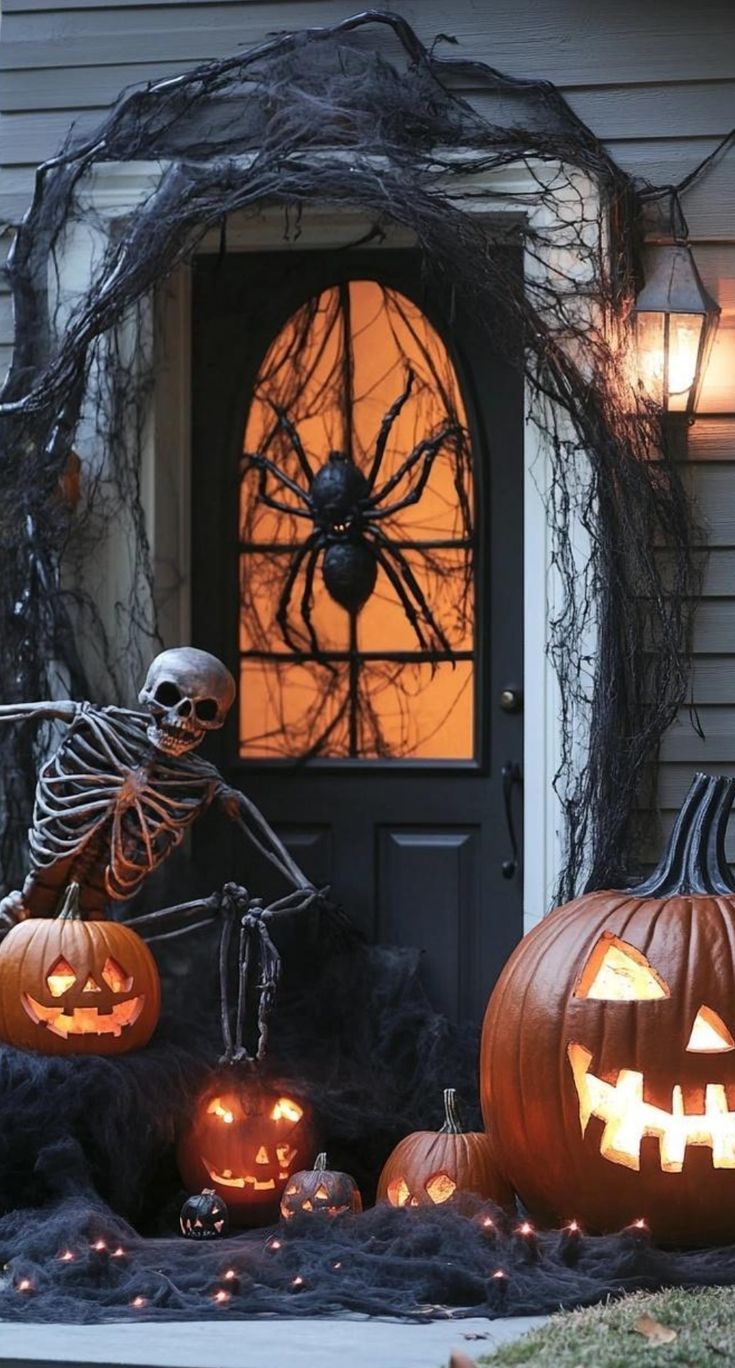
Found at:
[411, 840]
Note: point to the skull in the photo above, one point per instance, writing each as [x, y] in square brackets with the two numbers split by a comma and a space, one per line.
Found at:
[189, 692]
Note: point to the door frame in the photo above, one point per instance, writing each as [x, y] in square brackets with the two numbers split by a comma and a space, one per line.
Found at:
[543, 196]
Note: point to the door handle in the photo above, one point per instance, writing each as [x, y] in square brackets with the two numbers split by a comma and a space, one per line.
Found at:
[511, 773]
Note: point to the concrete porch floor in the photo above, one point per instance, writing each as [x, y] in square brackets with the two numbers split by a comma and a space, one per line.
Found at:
[254, 1344]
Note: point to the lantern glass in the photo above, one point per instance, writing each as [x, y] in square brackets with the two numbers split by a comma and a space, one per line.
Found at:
[685, 332]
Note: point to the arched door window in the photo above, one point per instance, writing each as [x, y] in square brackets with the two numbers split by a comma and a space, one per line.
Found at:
[357, 627]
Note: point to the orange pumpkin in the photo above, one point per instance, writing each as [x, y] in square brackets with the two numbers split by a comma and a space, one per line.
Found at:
[69, 986]
[608, 1051]
[245, 1142]
[432, 1166]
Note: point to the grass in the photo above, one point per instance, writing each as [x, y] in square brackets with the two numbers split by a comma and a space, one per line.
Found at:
[603, 1336]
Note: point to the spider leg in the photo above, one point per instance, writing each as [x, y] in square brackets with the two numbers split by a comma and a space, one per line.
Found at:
[265, 466]
[406, 603]
[307, 597]
[427, 449]
[386, 427]
[285, 599]
[429, 456]
[288, 427]
[407, 576]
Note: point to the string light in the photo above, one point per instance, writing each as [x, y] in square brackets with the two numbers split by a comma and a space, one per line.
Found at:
[25, 1285]
[118, 1253]
[273, 1244]
[66, 1256]
[338, 1264]
[139, 1302]
[221, 1296]
[298, 1281]
[99, 1246]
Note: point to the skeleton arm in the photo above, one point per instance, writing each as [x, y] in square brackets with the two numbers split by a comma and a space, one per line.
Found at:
[62, 711]
[246, 815]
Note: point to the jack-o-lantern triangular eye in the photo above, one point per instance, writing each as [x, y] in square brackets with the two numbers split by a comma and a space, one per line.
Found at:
[709, 1034]
[60, 977]
[115, 977]
[617, 972]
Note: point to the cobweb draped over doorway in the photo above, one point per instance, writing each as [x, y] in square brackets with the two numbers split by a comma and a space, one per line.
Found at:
[360, 373]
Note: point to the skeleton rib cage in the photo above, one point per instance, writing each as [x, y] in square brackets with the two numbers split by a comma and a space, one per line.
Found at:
[107, 796]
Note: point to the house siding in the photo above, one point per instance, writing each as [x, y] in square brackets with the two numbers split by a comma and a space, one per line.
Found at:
[655, 81]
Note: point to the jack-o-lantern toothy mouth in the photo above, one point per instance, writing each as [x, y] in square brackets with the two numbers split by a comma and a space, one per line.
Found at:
[229, 1179]
[84, 1020]
[628, 1118]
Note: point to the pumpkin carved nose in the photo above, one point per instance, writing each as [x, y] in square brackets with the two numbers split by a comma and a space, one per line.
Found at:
[709, 1034]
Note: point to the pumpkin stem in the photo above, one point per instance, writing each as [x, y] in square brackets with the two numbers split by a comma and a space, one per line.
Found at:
[320, 1163]
[452, 1121]
[694, 859]
[70, 910]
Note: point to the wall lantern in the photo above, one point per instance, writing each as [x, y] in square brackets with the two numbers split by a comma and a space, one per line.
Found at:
[676, 320]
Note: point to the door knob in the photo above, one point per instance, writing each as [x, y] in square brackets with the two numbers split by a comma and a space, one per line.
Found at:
[511, 700]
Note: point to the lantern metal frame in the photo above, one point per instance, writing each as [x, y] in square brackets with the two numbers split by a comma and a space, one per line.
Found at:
[675, 287]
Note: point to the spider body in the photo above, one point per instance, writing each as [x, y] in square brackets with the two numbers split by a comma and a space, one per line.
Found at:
[346, 508]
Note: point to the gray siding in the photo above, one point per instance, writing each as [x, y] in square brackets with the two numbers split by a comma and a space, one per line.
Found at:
[656, 81]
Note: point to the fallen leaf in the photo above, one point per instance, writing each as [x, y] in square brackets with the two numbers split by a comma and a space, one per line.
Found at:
[653, 1331]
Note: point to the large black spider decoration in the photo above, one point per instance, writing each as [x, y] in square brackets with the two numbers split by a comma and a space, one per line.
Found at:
[346, 508]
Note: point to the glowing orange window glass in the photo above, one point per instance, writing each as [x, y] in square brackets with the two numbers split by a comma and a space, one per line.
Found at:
[357, 566]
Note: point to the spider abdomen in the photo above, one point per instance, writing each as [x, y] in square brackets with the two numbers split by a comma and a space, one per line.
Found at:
[349, 570]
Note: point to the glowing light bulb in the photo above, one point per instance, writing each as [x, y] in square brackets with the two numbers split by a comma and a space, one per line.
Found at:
[138, 1302]
[525, 1229]
[118, 1253]
[221, 1296]
[98, 1246]
[498, 1274]
[298, 1281]
[230, 1274]
[24, 1285]
[274, 1244]
[338, 1264]
[66, 1256]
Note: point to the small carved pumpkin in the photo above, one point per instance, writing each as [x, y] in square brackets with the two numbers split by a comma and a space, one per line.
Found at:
[204, 1216]
[608, 1050]
[245, 1142]
[432, 1166]
[324, 1191]
[69, 986]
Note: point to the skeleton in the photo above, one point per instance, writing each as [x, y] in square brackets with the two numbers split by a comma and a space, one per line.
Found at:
[123, 787]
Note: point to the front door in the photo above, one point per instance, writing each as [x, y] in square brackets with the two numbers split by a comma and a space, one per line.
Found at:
[357, 551]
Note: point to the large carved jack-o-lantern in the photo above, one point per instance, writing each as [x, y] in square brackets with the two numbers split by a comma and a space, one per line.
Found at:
[69, 986]
[608, 1053]
[246, 1141]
